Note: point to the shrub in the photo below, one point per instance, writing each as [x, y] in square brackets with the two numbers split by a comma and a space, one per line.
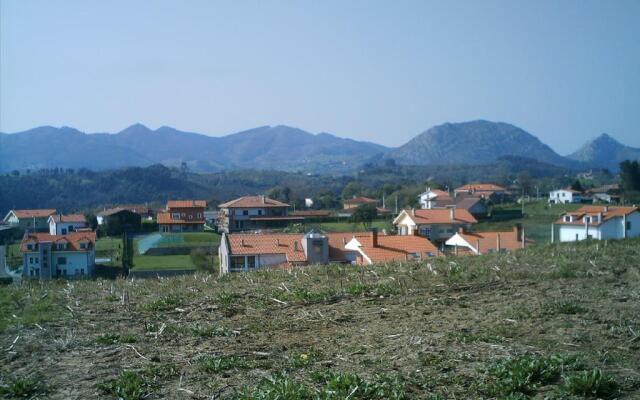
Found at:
[593, 383]
[23, 388]
[129, 385]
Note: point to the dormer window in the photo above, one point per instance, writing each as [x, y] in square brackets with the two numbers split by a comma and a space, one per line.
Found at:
[83, 245]
[567, 218]
[30, 246]
[175, 216]
[587, 219]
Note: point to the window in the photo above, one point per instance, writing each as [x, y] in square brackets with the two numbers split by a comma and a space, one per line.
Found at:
[567, 218]
[62, 260]
[237, 263]
[175, 215]
[251, 262]
[64, 231]
[199, 215]
[628, 225]
[587, 219]
[29, 246]
[183, 215]
[190, 216]
[30, 260]
[81, 271]
[83, 245]
[259, 212]
[71, 228]
[37, 259]
[245, 212]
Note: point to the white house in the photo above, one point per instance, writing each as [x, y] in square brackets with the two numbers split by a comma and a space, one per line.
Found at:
[597, 222]
[565, 196]
[430, 198]
[486, 242]
[48, 256]
[60, 224]
[436, 224]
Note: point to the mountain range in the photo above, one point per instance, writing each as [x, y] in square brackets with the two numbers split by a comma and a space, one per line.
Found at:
[290, 149]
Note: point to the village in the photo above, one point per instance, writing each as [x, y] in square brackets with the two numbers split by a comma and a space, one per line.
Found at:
[255, 232]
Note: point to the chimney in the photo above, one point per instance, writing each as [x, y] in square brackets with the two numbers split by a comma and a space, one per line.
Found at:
[263, 199]
[606, 208]
[498, 243]
[374, 237]
[478, 246]
[452, 213]
[413, 212]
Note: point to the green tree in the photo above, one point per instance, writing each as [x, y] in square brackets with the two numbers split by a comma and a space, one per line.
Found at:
[577, 186]
[630, 175]
[365, 215]
[127, 252]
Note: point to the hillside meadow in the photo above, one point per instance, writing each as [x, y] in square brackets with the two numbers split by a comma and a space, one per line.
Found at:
[556, 321]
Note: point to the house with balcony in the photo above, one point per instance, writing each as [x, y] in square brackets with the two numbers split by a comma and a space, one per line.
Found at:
[46, 256]
[597, 222]
[182, 216]
[436, 224]
[29, 220]
[61, 224]
[251, 213]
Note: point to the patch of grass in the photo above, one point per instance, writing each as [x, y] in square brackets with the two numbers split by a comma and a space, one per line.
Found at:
[356, 289]
[593, 383]
[143, 262]
[303, 359]
[166, 303]
[351, 386]
[210, 331]
[525, 374]
[129, 385]
[567, 307]
[277, 387]
[115, 338]
[216, 365]
[23, 388]
[28, 306]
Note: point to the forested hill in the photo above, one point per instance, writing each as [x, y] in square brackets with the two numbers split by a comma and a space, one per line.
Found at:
[71, 190]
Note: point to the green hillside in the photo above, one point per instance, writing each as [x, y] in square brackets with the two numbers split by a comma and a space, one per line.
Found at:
[557, 321]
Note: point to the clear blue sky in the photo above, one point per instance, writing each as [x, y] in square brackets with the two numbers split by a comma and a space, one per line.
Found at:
[383, 71]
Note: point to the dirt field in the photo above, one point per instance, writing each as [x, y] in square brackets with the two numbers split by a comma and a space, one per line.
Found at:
[560, 321]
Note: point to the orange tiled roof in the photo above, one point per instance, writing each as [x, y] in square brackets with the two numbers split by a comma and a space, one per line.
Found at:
[186, 204]
[489, 240]
[73, 238]
[481, 187]
[289, 244]
[440, 193]
[252, 202]
[164, 218]
[42, 213]
[593, 211]
[441, 216]
[69, 218]
[396, 248]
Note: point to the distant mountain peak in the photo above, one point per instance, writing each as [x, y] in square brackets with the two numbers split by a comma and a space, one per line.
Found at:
[605, 152]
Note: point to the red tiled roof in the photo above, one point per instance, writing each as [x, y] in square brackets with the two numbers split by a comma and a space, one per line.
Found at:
[441, 216]
[69, 218]
[396, 248]
[481, 187]
[593, 211]
[441, 194]
[186, 204]
[73, 238]
[253, 202]
[164, 218]
[42, 213]
[489, 240]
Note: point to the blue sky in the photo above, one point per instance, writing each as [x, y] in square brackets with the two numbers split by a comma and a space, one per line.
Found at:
[382, 71]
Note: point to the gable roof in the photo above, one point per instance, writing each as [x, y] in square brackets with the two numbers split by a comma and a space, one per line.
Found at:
[253, 201]
[186, 204]
[73, 238]
[437, 216]
[77, 218]
[36, 213]
[509, 240]
[481, 187]
[394, 248]
[111, 211]
[607, 212]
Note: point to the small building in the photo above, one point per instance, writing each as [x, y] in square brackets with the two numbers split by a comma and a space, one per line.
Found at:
[61, 224]
[477, 243]
[182, 216]
[488, 191]
[436, 224]
[358, 201]
[606, 194]
[374, 248]
[564, 196]
[244, 252]
[432, 197]
[116, 221]
[29, 220]
[250, 213]
[47, 256]
[597, 222]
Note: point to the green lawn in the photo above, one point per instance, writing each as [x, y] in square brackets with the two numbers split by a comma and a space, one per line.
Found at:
[536, 222]
[193, 239]
[108, 243]
[162, 262]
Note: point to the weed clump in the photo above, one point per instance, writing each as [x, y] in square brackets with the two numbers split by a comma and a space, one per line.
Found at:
[129, 385]
[593, 383]
[22, 388]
